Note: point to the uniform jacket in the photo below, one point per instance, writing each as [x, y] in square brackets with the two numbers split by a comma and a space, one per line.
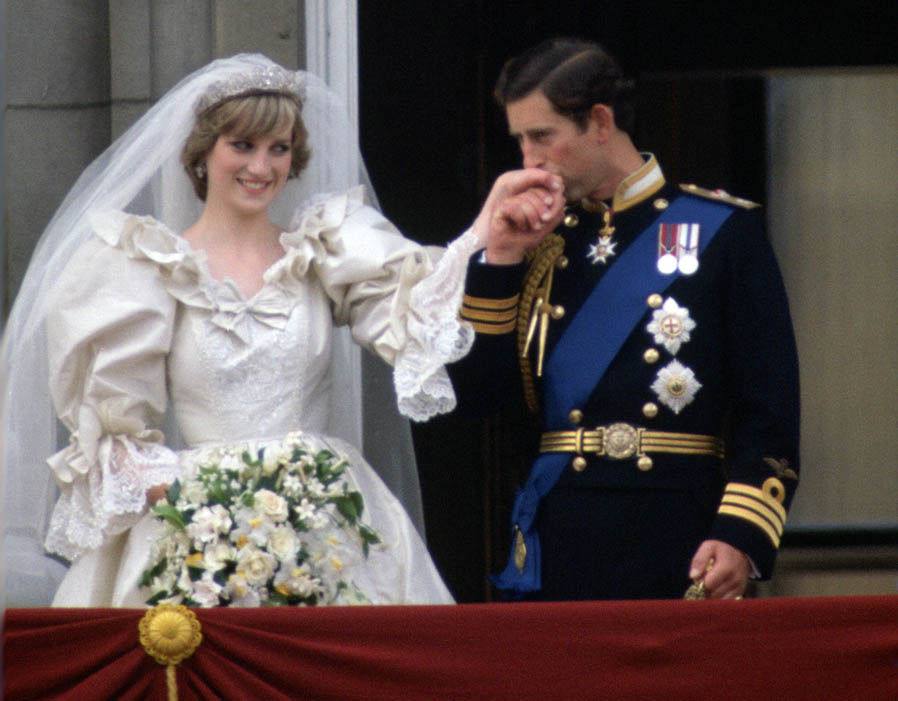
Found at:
[727, 326]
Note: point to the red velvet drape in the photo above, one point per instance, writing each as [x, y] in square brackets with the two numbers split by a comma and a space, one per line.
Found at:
[819, 648]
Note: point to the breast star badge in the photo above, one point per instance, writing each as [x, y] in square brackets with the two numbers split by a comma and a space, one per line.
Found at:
[676, 386]
[671, 325]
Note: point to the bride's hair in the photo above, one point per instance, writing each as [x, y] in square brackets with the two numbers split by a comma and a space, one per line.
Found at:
[250, 117]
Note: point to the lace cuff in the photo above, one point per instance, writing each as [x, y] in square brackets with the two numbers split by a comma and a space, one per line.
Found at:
[103, 497]
[436, 335]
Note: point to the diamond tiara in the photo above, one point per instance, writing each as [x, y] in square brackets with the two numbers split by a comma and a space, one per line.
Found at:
[268, 79]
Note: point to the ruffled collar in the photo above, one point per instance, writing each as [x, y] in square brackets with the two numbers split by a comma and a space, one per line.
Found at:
[314, 235]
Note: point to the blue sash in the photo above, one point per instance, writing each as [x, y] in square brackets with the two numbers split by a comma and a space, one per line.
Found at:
[583, 354]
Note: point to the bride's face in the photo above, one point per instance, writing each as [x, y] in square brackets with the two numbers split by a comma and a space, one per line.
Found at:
[246, 174]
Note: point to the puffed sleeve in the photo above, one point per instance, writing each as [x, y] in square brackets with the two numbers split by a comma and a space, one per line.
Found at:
[400, 300]
[109, 329]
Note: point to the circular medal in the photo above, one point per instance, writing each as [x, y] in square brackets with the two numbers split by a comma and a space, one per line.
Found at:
[688, 264]
[667, 264]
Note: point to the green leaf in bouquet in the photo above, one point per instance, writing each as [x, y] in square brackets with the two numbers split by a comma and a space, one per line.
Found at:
[195, 573]
[218, 492]
[279, 480]
[269, 482]
[346, 505]
[157, 597]
[369, 535]
[171, 515]
[247, 499]
[174, 492]
[323, 456]
[248, 459]
[150, 574]
[358, 501]
[369, 538]
[327, 467]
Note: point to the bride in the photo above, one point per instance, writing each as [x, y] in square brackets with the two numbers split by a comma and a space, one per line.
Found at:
[172, 317]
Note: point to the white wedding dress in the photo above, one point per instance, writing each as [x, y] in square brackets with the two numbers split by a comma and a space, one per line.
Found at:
[139, 328]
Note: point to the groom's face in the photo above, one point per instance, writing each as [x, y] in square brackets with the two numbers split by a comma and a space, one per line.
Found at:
[554, 143]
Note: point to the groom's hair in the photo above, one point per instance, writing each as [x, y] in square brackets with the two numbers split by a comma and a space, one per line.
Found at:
[574, 75]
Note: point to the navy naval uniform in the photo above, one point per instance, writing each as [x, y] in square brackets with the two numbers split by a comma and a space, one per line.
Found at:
[669, 403]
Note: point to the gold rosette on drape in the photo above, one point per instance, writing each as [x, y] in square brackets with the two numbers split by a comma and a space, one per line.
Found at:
[170, 634]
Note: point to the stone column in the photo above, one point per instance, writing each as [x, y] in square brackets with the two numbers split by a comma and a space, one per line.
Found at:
[57, 112]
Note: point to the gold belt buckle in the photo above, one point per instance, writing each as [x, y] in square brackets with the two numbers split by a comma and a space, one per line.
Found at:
[619, 441]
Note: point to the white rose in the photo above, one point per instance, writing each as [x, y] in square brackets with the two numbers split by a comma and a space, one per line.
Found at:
[208, 522]
[283, 544]
[255, 566]
[298, 581]
[270, 504]
[217, 556]
[251, 527]
[240, 592]
[237, 586]
[206, 591]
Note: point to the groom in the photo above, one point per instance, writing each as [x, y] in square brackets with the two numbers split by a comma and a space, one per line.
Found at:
[650, 334]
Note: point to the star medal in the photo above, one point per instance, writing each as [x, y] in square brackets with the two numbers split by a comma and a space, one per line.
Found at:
[667, 248]
[676, 386]
[688, 249]
[603, 249]
[600, 252]
[671, 326]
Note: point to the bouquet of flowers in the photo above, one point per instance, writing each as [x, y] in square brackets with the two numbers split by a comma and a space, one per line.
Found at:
[273, 524]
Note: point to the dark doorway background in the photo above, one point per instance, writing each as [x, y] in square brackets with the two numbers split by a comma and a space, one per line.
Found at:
[434, 141]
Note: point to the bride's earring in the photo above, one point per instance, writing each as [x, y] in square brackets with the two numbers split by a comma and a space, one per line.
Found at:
[200, 170]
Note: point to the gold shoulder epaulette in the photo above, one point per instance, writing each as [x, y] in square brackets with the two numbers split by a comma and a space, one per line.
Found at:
[719, 196]
[537, 282]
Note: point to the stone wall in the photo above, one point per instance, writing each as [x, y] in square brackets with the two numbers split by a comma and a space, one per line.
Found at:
[79, 72]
